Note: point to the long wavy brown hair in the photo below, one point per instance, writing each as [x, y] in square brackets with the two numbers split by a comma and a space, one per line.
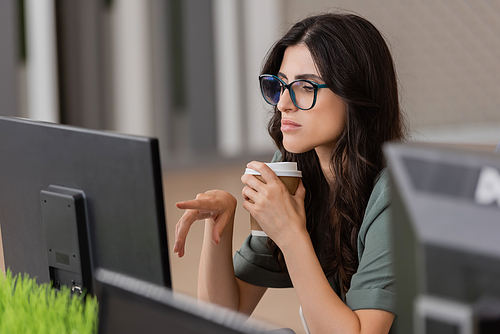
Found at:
[354, 61]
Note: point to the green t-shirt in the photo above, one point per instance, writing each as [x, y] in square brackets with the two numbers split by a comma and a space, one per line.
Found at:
[372, 286]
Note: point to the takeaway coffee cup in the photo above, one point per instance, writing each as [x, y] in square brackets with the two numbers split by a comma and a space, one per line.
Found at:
[288, 174]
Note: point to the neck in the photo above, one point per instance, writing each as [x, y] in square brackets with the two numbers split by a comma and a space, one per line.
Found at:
[325, 155]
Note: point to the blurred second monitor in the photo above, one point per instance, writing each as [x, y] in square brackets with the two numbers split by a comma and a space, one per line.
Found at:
[446, 224]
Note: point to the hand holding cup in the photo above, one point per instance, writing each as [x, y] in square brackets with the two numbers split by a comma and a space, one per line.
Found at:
[286, 172]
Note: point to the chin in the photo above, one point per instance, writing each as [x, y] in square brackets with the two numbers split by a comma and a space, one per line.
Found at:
[296, 148]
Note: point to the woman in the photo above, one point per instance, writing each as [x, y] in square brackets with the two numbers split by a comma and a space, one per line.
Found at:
[334, 87]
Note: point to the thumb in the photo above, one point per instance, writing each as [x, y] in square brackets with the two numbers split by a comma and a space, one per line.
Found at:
[300, 193]
[220, 224]
[216, 233]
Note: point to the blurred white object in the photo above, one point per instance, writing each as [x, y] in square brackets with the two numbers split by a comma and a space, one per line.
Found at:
[41, 67]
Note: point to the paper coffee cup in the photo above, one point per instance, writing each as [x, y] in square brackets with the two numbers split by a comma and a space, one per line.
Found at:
[287, 172]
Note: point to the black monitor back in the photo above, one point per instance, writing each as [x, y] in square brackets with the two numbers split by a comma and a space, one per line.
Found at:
[120, 177]
[446, 224]
[129, 305]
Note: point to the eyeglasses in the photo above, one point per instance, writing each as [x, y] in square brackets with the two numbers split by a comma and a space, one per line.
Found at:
[302, 92]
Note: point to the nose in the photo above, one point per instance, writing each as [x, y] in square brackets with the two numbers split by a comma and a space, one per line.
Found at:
[285, 104]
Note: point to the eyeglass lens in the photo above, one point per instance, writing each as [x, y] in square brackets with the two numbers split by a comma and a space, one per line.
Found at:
[302, 96]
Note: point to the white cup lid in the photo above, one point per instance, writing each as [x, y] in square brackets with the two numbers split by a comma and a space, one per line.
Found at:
[280, 168]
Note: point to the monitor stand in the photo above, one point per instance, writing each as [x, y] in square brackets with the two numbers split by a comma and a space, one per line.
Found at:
[67, 240]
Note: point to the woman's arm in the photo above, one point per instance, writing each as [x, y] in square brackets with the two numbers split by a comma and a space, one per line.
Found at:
[216, 280]
[323, 310]
[282, 217]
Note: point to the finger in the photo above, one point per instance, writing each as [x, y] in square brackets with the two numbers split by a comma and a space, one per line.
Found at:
[216, 233]
[191, 204]
[249, 194]
[300, 193]
[178, 246]
[188, 205]
[204, 204]
[182, 229]
[220, 223]
[252, 181]
[267, 173]
[248, 205]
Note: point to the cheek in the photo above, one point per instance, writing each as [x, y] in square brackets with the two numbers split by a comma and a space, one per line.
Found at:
[336, 129]
[335, 122]
[325, 131]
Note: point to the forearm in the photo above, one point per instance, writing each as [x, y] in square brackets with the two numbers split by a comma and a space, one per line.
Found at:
[323, 310]
[216, 279]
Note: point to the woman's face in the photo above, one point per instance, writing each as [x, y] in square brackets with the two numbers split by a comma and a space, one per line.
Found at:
[319, 127]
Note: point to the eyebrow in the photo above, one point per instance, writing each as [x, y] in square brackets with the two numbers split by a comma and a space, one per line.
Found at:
[307, 76]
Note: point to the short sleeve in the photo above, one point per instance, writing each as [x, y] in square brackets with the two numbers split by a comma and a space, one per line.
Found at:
[254, 264]
[373, 285]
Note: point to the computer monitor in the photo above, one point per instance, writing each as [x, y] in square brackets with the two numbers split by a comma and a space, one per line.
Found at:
[129, 305]
[446, 232]
[73, 199]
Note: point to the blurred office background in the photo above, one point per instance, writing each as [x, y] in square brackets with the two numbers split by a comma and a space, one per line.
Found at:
[185, 71]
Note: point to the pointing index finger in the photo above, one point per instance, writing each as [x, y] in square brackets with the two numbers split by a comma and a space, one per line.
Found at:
[195, 204]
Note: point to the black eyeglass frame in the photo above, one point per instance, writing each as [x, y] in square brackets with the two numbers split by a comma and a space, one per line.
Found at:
[284, 86]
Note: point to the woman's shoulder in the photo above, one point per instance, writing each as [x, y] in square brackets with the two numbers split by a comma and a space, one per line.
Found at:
[380, 196]
[276, 157]
[372, 286]
[378, 203]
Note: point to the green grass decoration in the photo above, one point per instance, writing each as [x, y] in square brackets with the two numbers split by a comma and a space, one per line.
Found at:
[29, 307]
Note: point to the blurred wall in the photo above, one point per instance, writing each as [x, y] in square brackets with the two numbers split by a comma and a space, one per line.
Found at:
[447, 57]
[186, 70]
[9, 35]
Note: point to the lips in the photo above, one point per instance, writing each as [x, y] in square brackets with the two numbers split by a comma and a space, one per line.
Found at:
[289, 125]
